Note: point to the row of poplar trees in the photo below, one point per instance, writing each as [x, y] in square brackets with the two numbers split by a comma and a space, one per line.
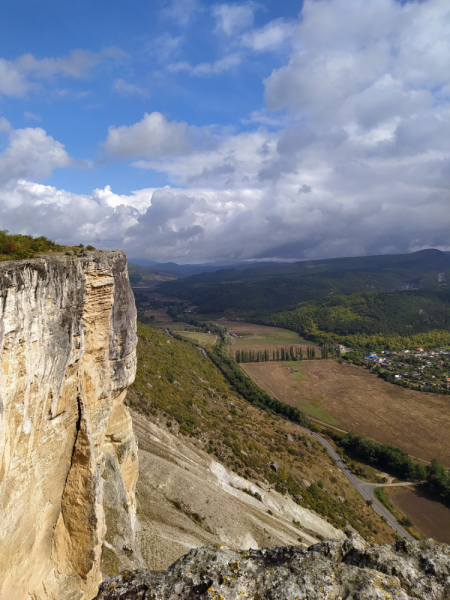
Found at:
[292, 353]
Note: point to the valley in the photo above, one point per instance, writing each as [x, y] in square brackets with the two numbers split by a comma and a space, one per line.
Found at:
[268, 476]
[332, 391]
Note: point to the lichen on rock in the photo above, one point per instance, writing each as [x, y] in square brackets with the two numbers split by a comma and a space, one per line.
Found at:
[334, 570]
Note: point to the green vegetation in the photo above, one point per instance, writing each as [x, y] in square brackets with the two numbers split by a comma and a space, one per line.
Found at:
[17, 247]
[200, 338]
[282, 336]
[257, 292]
[316, 411]
[438, 479]
[142, 275]
[435, 477]
[373, 321]
[390, 459]
[248, 389]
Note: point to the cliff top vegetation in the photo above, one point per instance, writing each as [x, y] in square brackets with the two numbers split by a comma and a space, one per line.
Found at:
[17, 246]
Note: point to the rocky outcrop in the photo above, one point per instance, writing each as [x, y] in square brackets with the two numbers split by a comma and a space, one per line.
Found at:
[68, 456]
[329, 570]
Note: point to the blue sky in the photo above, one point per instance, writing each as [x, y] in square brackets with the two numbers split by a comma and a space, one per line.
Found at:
[197, 130]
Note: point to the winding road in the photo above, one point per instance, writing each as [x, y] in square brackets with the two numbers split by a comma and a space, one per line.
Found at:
[363, 487]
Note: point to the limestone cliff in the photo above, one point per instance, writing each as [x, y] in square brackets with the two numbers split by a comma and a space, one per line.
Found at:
[67, 342]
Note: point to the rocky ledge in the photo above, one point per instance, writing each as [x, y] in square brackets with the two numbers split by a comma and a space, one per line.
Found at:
[350, 569]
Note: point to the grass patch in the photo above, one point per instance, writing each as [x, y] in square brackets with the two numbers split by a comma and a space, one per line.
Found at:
[313, 410]
[200, 338]
[296, 364]
[271, 338]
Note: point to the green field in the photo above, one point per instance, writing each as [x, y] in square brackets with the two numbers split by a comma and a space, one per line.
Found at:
[200, 338]
[301, 375]
[283, 336]
[313, 410]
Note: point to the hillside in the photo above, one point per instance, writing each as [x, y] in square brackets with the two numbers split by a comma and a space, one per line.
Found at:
[262, 290]
[383, 319]
[191, 425]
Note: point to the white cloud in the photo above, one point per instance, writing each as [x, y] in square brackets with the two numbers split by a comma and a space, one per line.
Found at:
[181, 11]
[33, 116]
[232, 18]
[359, 162]
[153, 137]
[12, 81]
[274, 34]
[19, 76]
[364, 61]
[219, 66]
[31, 153]
[129, 89]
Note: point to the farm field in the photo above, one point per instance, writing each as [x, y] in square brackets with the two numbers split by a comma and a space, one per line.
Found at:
[258, 337]
[353, 399]
[160, 315]
[200, 338]
[430, 517]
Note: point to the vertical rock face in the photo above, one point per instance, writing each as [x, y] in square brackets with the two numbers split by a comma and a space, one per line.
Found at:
[67, 343]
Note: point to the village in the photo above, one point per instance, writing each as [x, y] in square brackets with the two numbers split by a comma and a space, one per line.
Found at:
[413, 368]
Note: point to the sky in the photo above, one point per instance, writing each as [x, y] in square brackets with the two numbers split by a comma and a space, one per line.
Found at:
[195, 130]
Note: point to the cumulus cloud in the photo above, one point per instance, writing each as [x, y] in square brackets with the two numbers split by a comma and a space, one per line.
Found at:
[358, 163]
[153, 137]
[30, 153]
[274, 34]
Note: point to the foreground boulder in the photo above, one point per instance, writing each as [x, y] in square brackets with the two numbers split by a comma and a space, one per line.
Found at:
[330, 570]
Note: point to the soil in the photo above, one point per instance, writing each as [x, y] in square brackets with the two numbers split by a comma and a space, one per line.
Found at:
[430, 517]
[359, 401]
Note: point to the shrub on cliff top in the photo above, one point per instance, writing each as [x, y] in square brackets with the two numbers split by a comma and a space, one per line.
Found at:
[17, 246]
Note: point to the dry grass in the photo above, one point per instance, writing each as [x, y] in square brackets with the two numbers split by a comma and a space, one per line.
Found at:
[417, 422]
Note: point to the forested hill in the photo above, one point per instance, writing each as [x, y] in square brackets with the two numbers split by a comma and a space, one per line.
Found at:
[262, 290]
[376, 318]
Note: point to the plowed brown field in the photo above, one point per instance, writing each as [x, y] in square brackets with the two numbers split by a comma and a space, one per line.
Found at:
[357, 400]
[431, 517]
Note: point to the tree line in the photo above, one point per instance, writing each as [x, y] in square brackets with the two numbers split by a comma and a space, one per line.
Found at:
[435, 477]
[248, 389]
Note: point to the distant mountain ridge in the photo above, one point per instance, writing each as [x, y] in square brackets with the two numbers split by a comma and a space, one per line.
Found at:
[194, 269]
[264, 289]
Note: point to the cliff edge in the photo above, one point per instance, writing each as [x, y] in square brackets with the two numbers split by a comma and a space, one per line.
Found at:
[68, 456]
[331, 570]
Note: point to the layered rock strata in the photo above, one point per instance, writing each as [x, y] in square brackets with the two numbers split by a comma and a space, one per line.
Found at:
[332, 570]
[67, 356]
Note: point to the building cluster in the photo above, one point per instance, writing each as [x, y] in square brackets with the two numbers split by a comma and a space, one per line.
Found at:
[416, 367]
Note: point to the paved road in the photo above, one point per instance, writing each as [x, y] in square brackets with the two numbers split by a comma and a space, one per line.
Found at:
[363, 487]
